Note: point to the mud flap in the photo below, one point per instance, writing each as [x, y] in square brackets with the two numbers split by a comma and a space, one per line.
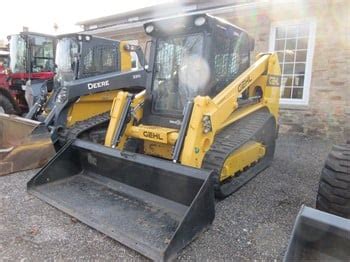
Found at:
[153, 206]
[319, 236]
[24, 144]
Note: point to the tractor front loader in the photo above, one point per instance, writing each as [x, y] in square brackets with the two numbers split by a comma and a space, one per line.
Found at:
[79, 104]
[206, 124]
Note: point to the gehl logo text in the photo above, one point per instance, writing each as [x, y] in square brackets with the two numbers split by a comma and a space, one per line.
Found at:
[152, 135]
[98, 84]
[244, 83]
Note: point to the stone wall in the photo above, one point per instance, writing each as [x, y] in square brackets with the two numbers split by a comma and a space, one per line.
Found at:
[328, 111]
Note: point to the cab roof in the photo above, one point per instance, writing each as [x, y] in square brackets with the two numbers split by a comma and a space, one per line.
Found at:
[187, 24]
[83, 37]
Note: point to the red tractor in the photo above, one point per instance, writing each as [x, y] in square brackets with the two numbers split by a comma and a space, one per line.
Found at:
[30, 62]
[5, 97]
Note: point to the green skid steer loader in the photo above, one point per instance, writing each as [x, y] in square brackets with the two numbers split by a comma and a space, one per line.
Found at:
[90, 71]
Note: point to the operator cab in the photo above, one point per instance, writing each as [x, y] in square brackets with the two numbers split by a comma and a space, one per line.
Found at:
[31, 63]
[80, 55]
[31, 53]
[203, 56]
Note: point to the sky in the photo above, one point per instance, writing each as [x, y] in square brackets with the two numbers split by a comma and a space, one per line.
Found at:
[41, 15]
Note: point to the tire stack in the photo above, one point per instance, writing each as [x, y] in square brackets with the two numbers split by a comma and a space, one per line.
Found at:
[334, 188]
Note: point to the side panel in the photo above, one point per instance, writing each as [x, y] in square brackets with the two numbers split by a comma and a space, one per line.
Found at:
[125, 58]
[90, 105]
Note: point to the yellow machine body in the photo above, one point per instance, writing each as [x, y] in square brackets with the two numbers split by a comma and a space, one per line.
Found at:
[222, 110]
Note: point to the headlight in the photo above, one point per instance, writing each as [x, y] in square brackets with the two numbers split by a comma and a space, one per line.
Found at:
[62, 95]
[199, 21]
[87, 38]
[149, 29]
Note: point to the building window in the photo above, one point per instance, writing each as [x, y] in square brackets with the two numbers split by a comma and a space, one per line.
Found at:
[294, 43]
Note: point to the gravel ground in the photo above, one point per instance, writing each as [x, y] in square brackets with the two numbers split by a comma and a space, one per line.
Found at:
[253, 224]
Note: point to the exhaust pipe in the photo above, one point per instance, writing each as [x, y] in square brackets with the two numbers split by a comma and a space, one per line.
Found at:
[153, 206]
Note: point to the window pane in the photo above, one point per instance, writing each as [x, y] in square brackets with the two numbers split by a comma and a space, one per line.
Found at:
[289, 56]
[280, 32]
[287, 92]
[288, 69]
[299, 68]
[299, 81]
[300, 56]
[279, 45]
[297, 93]
[292, 31]
[302, 43]
[287, 81]
[303, 30]
[291, 44]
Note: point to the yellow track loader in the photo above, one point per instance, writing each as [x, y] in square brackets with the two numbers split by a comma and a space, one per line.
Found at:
[84, 89]
[206, 124]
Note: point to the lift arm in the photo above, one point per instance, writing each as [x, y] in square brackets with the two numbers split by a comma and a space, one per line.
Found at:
[209, 116]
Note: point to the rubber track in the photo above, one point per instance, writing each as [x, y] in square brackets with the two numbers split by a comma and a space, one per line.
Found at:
[80, 127]
[232, 138]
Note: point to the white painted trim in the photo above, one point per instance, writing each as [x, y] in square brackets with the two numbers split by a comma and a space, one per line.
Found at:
[138, 25]
[309, 57]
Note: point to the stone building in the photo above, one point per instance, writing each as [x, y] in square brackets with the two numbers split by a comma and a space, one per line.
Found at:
[312, 39]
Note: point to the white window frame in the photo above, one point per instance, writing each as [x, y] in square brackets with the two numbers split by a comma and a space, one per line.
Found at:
[309, 57]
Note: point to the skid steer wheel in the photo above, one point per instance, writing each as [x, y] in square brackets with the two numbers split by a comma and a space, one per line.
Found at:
[6, 106]
[334, 187]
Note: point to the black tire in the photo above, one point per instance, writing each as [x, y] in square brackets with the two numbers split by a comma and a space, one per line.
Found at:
[334, 187]
[7, 105]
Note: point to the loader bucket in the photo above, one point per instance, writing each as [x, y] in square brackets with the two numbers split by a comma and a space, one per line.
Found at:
[319, 236]
[153, 206]
[24, 144]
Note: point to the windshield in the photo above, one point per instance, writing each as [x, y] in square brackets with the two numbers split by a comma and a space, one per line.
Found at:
[17, 54]
[4, 59]
[99, 59]
[181, 73]
[66, 50]
[42, 54]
